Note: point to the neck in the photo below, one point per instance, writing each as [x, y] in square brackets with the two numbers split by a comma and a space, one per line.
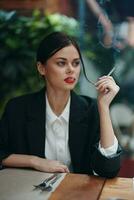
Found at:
[58, 100]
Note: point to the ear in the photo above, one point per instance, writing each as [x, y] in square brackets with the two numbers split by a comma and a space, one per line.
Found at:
[41, 68]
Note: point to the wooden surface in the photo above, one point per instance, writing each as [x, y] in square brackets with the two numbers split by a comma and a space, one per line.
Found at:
[84, 187]
[118, 189]
[78, 187]
[17, 184]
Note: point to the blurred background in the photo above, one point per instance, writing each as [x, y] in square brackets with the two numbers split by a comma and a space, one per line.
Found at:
[104, 30]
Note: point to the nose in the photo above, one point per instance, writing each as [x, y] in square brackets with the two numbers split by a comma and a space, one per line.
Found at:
[69, 69]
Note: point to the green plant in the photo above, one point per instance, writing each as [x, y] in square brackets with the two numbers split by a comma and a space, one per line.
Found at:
[19, 38]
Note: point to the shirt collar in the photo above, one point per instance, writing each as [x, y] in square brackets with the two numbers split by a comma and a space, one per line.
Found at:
[50, 115]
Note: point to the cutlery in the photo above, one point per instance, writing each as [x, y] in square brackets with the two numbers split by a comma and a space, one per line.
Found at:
[49, 186]
[45, 182]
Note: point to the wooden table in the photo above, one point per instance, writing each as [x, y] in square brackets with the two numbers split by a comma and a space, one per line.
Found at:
[17, 184]
[118, 189]
[83, 187]
[79, 187]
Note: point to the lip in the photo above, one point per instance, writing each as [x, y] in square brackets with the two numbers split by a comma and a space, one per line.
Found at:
[69, 80]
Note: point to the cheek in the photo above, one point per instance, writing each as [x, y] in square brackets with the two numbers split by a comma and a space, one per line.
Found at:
[53, 75]
[78, 71]
[49, 71]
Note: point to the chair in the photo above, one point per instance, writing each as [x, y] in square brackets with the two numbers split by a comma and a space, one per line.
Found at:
[127, 168]
[123, 122]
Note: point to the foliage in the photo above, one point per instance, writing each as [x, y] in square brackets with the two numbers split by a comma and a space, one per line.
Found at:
[19, 38]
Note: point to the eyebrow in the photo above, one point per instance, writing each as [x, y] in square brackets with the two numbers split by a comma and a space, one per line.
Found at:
[66, 59]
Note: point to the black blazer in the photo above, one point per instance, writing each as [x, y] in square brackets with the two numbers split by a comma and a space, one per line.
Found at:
[22, 131]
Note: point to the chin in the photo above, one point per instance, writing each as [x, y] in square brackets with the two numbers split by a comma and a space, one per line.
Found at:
[70, 87]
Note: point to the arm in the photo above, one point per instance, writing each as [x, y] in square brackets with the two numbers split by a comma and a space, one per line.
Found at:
[103, 165]
[35, 162]
[11, 154]
[103, 19]
[99, 13]
[107, 89]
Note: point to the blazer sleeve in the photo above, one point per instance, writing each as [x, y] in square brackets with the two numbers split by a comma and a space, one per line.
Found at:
[4, 152]
[106, 166]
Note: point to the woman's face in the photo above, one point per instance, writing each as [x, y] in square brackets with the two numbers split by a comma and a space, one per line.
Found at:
[61, 71]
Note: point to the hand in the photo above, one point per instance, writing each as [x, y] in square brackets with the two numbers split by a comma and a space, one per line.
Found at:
[107, 90]
[50, 166]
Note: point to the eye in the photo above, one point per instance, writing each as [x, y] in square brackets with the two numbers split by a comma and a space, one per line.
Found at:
[76, 63]
[61, 63]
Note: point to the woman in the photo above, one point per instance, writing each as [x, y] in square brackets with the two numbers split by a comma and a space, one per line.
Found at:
[55, 130]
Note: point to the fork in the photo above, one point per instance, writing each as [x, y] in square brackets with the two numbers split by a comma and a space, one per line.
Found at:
[49, 186]
[45, 182]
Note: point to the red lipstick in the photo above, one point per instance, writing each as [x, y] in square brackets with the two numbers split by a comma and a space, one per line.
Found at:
[69, 80]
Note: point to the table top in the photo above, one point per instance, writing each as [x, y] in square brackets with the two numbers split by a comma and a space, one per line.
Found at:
[118, 189]
[17, 184]
[78, 187]
[83, 187]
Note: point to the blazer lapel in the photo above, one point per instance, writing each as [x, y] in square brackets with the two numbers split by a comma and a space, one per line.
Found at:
[36, 124]
[77, 129]
[77, 126]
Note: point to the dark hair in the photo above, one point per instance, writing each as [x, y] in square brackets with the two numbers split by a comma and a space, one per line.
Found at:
[53, 43]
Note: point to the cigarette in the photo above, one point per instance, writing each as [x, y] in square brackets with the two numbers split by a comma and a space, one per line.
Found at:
[112, 70]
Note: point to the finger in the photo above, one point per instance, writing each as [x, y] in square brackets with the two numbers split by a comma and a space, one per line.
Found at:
[105, 87]
[64, 166]
[66, 170]
[104, 77]
[102, 85]
[57, 170]
[108, 78]
[101, 81]
[60, 169]
[60, 164]
[111, 78]
[106, 81]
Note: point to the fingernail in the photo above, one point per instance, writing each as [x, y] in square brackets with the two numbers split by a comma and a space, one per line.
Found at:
[102, 77]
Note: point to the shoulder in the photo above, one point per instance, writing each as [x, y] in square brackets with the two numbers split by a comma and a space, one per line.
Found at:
[21, 102]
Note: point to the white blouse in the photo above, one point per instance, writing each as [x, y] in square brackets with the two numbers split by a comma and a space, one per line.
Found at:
[56, 141]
